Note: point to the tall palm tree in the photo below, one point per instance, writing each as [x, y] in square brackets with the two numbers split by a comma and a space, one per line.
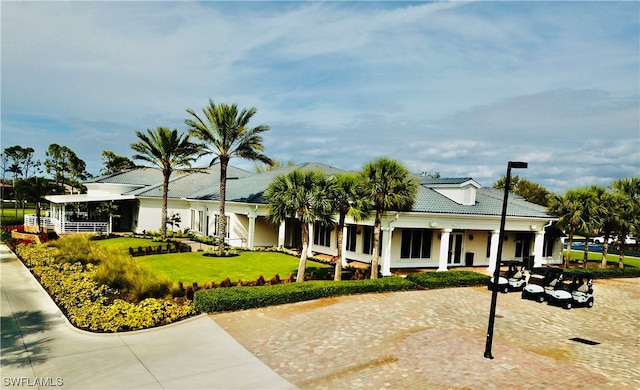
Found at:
[169, 151]
[225, 133]
[565, 207]
[629, 209]
[349, 198]
[591, 211]
[389, 186]
[301, 195]
[611, 213]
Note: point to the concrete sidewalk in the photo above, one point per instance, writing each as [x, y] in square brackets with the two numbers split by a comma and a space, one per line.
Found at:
[40, 349]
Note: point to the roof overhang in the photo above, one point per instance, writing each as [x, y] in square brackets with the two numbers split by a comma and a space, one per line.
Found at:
[85, 198]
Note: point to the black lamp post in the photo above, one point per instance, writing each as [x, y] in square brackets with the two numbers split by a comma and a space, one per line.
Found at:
[496, 271]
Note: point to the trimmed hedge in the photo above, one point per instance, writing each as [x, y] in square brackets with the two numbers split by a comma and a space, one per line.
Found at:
[239, 298]
[449, 279]
[610, 273]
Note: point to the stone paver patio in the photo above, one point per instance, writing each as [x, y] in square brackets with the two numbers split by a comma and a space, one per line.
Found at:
[435, 339]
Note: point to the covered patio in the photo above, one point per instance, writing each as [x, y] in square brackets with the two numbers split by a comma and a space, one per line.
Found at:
[80, 214]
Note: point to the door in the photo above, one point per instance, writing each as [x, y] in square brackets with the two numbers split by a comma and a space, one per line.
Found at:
[523, 245]
[455, 249]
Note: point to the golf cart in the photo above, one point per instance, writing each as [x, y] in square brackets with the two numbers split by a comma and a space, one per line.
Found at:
[541, 281]
[577, 293]
[513, 279]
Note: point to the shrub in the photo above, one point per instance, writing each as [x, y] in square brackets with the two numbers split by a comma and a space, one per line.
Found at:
[91, 305]
[237, 298]
[606, 273]
[448, 279]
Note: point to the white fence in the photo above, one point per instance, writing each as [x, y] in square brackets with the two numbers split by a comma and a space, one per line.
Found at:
[67, 227]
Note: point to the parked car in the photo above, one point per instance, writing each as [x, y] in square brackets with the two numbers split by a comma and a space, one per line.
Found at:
[575, 289]
[513, 278]
[629, 240]
[541, 280]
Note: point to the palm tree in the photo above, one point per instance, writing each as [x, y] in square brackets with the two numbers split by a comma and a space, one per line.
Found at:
[302, 195]
[591, 211]
[629, 209]
[389, 186]
[169, 151]
[566, 208]
[225, 132]
[611, 213]
[349, 198]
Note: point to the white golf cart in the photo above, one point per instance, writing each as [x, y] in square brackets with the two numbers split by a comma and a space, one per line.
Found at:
[541, 281]
[579, 292]
[512, 279]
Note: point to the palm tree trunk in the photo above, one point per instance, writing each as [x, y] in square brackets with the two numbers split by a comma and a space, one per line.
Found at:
[585, 258]
[302, 266]
[376, 244]
[567, 258]
[622, 249]
[605, 250]
[338, 271]
[165, 195]
[222, 220]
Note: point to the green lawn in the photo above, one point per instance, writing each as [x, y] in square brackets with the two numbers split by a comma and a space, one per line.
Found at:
[597, 257]
[9, 216]
[124, 243]
[248, 266]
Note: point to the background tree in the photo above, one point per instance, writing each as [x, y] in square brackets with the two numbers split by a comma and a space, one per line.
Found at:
[114, 163]
[261, 168]
[169, 151]
[591, 212]
[303, 195]
[226, 134]
[34, 190]
[389, 186]
[65, 166]
[349, 197]
[530, 191]
[629, 211]
[110, 210]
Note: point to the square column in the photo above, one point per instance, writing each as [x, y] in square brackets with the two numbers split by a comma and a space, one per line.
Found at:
[281, 231]
[537, 249]
[252, 229]
[386, 251]
[343, 260]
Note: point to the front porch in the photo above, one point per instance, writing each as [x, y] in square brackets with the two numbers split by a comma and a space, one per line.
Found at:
[66, 226]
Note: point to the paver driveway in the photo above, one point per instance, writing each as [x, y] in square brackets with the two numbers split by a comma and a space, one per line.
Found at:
[435, 339]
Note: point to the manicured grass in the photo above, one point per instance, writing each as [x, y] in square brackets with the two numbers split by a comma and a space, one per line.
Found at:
[9, 216]
[597, 257]
[124, 243]
[248, 266]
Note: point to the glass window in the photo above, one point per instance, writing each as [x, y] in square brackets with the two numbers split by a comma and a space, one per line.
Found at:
[416, 244]
[322, 235]
[352, 232]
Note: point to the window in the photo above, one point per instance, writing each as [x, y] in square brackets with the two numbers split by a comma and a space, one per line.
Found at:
[488, 244]
[322, 235]
[547, 249]
[193, 220]
[367, 241]
[352, 232]
[416, 244]
[215, 229]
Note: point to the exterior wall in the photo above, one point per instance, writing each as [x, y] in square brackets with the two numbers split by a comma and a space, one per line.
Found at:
[150, 213]
[266, 234]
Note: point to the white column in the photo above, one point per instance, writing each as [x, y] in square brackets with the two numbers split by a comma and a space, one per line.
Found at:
[343, 260]
[310, 248]
[386, 251]
[493, 251]
[281, 231]
[444, 249]
[537, 249]
[252, 229]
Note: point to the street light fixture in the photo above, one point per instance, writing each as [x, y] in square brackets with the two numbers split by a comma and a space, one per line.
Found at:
[496, 271]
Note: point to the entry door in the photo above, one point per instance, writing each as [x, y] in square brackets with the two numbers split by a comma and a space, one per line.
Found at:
[523, 245]
[455, 249]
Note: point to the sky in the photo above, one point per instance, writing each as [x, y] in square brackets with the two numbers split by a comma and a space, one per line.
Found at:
[457, 88]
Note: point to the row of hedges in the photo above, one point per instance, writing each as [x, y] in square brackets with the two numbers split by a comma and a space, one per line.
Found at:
[91, 305]
[239, 298]
[609, 273]
[448, 279]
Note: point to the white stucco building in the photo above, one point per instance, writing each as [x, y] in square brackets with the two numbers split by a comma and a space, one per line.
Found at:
[454, 222]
